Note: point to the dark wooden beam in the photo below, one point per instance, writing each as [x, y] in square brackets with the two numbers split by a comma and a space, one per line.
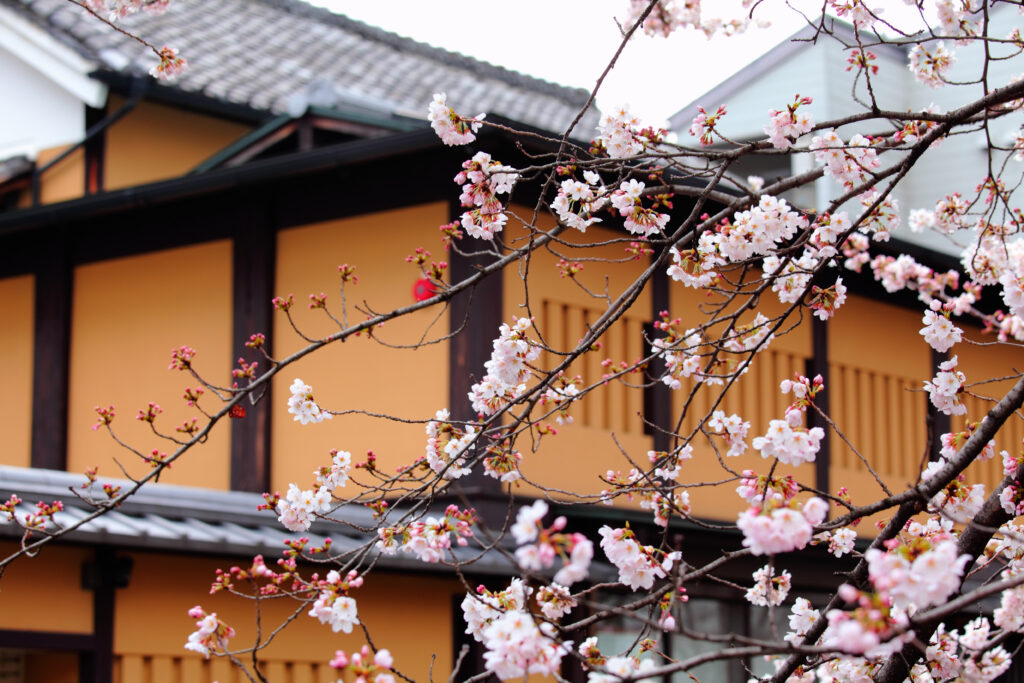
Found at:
[52, 342]
[938, 422]
[254, 263]
[657, 396]
[818, 364]
[475, 316]
[95, 150]
[46, 640]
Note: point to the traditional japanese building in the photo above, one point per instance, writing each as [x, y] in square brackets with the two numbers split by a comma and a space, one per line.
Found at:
[137, 217]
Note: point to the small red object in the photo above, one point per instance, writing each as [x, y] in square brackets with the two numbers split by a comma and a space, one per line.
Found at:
[423, 289]
[237, 411]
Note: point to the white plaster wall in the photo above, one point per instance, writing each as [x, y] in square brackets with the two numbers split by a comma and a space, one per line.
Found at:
[35, 112]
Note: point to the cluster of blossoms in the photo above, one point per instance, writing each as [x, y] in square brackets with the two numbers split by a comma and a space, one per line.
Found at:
[667, 465]
[756, 231]
[688, 356]
[769, 589]
[449, 126]
[560, 396]
[428, 539]
[824, 302]
[302, 405]
[299, 507]
[948, 216]
[448, 446]
[118, 9]
[507, 370]
[638, 565]
[929, 66]
[640, 220]
[952, 442]
[555, 601]
[1011, 498]
[703, 125]
[516, 643]
[967, 656]
[775, 522]
[539, 546]
[801, 618]
[790, 278]
[482, 180]
[696, 267]
[788, 124]
[665, 17]
[993, 259]
[663, 504]
[577, 201]
[945, 390]
[913, 131]
[919, 568]
[211, 633]
[881, 220]
[734, 428]
[874, 627]
[502, 463]
[850, 162]
[363, 668]
[787, 440]
[621, 135]
[171, 64]
[840, 541]
[333, 605]
[938, 331]
[859, 14]
[616, 669]
[957, 500]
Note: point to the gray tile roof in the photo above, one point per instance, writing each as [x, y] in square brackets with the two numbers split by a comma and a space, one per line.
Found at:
[200, 521]
[265, 53]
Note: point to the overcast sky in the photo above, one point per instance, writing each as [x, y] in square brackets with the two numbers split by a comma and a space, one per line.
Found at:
[571, 41]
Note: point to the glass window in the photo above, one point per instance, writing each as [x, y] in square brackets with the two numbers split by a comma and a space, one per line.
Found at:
[623, 632]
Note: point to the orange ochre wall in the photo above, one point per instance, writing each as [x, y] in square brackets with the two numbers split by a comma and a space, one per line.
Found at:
[981, 361]
[44, 593]
[359, 374]
[16, 349]
[152, 142]
[877, 365]
[410, 615]
[127, 316]
[63, 181]
[156, 142]
[609, 418]
[755, 397]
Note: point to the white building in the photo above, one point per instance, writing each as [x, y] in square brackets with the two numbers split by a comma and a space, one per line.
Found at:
[801, 65]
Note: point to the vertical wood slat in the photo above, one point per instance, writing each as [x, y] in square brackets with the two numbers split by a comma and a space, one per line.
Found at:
[133, 669]
[911, 427]
[276, 671]
[192, 670]
[614, 406]
[302, 672]
[221, 670]
[166, 670]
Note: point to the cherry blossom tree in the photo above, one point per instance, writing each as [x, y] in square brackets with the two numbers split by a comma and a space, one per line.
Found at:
[764, 265]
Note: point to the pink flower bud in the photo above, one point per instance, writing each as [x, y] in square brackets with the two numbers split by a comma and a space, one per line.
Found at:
[340, 660]
[383, 659]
